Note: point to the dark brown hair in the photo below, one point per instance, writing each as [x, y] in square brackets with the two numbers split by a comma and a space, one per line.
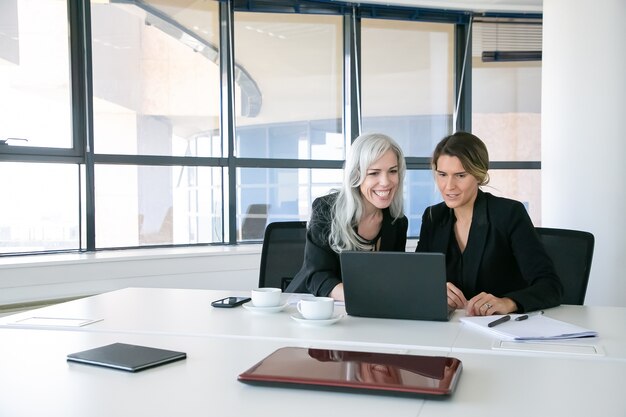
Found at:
[470, 150]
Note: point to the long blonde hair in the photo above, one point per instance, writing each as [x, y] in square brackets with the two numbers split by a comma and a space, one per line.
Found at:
[348, 206]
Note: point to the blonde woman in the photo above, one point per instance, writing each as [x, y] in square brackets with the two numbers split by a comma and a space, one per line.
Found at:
[365, 214]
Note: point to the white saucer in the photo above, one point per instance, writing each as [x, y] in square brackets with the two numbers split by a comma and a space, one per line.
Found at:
[326, 322]
[256, 309]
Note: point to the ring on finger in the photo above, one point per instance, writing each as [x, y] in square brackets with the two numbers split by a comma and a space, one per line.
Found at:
[487, 305]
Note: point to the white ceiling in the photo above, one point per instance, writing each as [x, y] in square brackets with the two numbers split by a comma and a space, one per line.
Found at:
[533, 6]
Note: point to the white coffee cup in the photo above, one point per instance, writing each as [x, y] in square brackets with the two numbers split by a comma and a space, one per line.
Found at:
[266, 297]
[316, 308]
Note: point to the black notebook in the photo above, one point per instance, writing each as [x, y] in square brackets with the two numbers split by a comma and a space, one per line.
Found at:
[126, 357]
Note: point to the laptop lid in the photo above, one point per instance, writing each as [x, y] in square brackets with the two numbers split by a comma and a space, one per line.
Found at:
[397, 285]
[370, 372]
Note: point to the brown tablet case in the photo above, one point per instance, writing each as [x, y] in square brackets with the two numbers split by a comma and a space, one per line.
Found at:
[368, 372]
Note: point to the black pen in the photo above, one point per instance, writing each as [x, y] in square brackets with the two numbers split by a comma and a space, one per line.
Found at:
[499, 321]
[525, 316]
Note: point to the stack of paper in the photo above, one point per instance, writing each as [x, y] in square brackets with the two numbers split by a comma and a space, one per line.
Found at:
[536, 327]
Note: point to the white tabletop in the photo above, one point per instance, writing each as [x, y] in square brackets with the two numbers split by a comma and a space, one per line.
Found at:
[187, 312]
[520, 379]
[36, 380]
[509, 385]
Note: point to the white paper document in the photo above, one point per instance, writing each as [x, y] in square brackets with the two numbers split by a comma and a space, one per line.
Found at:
[55, 321]
[536, 327]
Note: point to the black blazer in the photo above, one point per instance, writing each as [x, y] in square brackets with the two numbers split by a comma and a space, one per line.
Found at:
[321, 271]
[503, 256]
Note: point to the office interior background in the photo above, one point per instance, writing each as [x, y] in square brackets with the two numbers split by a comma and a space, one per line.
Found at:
[148, 143]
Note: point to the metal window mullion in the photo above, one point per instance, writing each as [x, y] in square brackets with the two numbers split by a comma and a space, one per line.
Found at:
[351, 76]
[227, 113]
[82, 108]
[463, 86]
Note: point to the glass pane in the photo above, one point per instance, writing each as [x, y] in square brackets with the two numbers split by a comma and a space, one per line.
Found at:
[506, 96]
[157, 205]
[420, 192]
[268, 195]
[35, 73]
[407, 82]
[291, 103]
[506, 109]
[156, 78]
[520, 185]
[40, 209]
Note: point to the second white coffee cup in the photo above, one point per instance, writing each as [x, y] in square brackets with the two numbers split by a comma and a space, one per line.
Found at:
[266, 297]
[316, 308]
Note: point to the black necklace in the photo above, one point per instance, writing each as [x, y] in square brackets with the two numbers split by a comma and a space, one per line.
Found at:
[371, 242]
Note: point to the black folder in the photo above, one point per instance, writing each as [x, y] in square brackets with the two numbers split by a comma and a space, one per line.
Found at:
[126, 357]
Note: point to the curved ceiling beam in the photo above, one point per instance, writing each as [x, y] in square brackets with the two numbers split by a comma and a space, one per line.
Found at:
[251, 97]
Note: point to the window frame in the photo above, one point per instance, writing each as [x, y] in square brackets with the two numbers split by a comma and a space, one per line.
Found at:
[81, 153]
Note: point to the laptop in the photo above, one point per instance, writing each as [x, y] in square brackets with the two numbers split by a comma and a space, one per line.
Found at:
[395, 285]
[365, 372]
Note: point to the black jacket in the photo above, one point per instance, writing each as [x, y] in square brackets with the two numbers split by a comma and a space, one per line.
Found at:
[321, 271]
[503, 256]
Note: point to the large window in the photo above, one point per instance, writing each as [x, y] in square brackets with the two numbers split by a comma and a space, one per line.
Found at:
[506, 105]
[292, 111]
[164, 122]
[156, 92]
[408, 93]
[35, 74]
[39, 209]
[156, 78]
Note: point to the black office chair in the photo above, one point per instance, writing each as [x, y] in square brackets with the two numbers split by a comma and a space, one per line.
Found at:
[254, 221]
[282, 253]
[572, 253]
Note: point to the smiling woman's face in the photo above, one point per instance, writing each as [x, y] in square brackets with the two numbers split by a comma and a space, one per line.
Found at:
[381, 182]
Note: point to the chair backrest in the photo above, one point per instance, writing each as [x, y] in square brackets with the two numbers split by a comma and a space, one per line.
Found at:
[572, 253]
[254, 221]
[282, 253]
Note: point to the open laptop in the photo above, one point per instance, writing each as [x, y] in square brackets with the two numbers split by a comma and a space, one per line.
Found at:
[397, 285]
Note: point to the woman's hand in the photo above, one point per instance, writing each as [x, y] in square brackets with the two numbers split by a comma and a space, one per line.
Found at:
[485, 304]
[337, 293]
[456, 299]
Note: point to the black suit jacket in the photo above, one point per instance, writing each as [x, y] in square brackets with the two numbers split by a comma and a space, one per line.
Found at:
[321, 271]
[503, 256]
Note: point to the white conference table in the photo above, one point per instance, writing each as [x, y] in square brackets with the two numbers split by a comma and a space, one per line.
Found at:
[35, 379]
[516, 385]
[609, 322]
[187, 312]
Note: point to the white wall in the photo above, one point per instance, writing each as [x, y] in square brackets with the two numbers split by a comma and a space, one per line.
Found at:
[583, 142]
[32, 279]
[48, 277]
